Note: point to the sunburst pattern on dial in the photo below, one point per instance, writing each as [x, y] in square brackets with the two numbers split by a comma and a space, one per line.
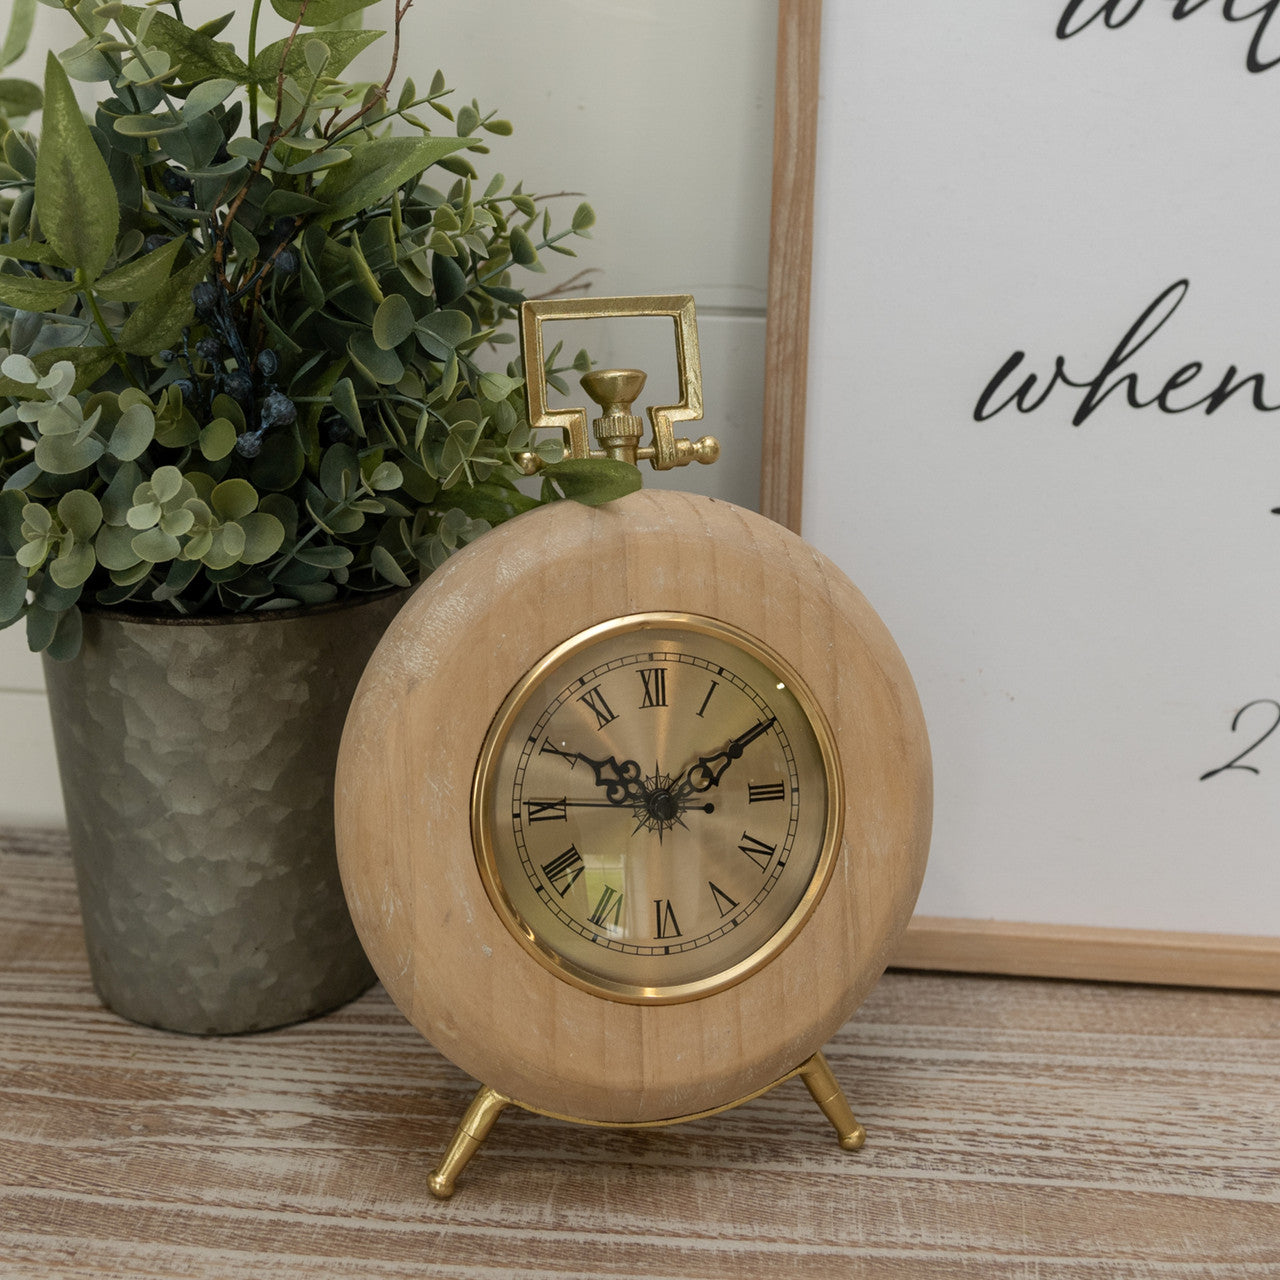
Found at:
[654, 809]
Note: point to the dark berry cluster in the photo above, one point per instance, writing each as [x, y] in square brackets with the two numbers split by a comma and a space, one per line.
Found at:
[250, 382]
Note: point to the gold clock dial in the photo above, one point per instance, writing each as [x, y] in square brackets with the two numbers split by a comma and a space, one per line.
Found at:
[656, 807]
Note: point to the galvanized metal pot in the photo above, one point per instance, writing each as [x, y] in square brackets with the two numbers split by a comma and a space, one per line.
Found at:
[197, 761]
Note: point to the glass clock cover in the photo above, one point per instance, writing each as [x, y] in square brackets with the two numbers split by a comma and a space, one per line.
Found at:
[656, 807]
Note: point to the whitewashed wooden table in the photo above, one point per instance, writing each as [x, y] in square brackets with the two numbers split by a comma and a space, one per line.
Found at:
[1017, 1129]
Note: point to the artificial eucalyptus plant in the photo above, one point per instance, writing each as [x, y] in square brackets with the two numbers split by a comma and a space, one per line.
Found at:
[242, 334]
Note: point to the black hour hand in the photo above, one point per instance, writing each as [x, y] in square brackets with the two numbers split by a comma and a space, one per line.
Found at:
[622, 781]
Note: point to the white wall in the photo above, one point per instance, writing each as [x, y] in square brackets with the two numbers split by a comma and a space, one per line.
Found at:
[660, 111]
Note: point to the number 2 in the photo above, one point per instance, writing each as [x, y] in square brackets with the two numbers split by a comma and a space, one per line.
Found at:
[1234, 763]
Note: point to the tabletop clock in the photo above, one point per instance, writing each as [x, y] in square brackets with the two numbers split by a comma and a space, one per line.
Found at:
[633, 801]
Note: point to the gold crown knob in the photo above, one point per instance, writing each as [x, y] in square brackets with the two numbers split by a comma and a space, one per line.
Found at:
[617, 430]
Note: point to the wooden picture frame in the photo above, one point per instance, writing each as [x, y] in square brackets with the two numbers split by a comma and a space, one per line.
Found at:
[974, 945]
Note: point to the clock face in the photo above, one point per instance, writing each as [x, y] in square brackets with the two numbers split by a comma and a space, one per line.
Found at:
[657, 807]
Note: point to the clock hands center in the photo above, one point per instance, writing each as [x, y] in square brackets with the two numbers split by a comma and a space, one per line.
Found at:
[659, 802]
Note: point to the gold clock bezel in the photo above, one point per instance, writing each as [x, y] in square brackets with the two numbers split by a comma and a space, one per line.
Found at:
[496, 738]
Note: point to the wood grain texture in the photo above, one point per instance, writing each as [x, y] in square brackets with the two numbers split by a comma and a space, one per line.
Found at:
[795, 145]
[408, 759]
[1017, 1129]
[1074, 951]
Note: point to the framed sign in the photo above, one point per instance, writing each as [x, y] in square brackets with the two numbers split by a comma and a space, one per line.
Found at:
[1024, 388]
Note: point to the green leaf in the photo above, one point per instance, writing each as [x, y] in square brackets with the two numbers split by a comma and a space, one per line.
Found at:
[317, 55]
[206, 95]
[522, 250]
[90, 364]
[32, 555]
[73, 568]
[227, 548]
[343, 47]
[133, 433]
[216, 26]
[32, 293]
[41, 624]
[498, 386]
[68, 636]
[64, 456]
[443, 331]
[218, 439]
[145, 512]
[584, 218]
[147, 126]
[339, 471]
[117, 497]
[182, 573]
[593, 481]
[20, 97]
[196, 54]
[383, 367]
[448, 279]
[263, 537]
[20, 369]
[81, 513]
[75, 197]
[21, 20]
[328, 557]
[140, 278]
[114, 548]
[376, 170]
[11, 503]
[166, 483]
[179, 522]
[244, 241]
[234, 499]
[393, 322]
[32, 251]
[155, 546]
[280, 464]
[157, 322]
[385, 477]
[319, 13]
[344, 400]
[385, 566]
[59, 380]
[13, 589]
[287, 203]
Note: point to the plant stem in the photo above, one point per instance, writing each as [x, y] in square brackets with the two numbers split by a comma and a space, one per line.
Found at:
[483, 280]
[253, 52]
[116, 354]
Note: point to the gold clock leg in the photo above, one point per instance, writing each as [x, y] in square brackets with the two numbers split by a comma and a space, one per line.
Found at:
[485, 1108]
[822, 1085]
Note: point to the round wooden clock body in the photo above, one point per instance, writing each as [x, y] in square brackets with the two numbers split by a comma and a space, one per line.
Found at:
[633, 803]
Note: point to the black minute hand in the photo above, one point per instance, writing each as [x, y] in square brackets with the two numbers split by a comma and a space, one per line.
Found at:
[708, 770]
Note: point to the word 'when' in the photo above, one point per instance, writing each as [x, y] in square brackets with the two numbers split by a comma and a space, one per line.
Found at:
[1028, 396]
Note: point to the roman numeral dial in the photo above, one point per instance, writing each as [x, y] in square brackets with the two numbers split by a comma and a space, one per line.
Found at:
[656, 806]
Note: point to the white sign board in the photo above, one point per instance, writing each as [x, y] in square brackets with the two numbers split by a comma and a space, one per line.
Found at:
[1043, 436]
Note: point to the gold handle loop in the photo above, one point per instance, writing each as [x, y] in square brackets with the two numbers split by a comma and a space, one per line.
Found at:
[666, 451]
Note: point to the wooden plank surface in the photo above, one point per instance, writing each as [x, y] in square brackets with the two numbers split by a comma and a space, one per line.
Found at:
[1017, 1129]
[1079, 951]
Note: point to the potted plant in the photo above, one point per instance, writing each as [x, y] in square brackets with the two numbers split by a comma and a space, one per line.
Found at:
[248, 319]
